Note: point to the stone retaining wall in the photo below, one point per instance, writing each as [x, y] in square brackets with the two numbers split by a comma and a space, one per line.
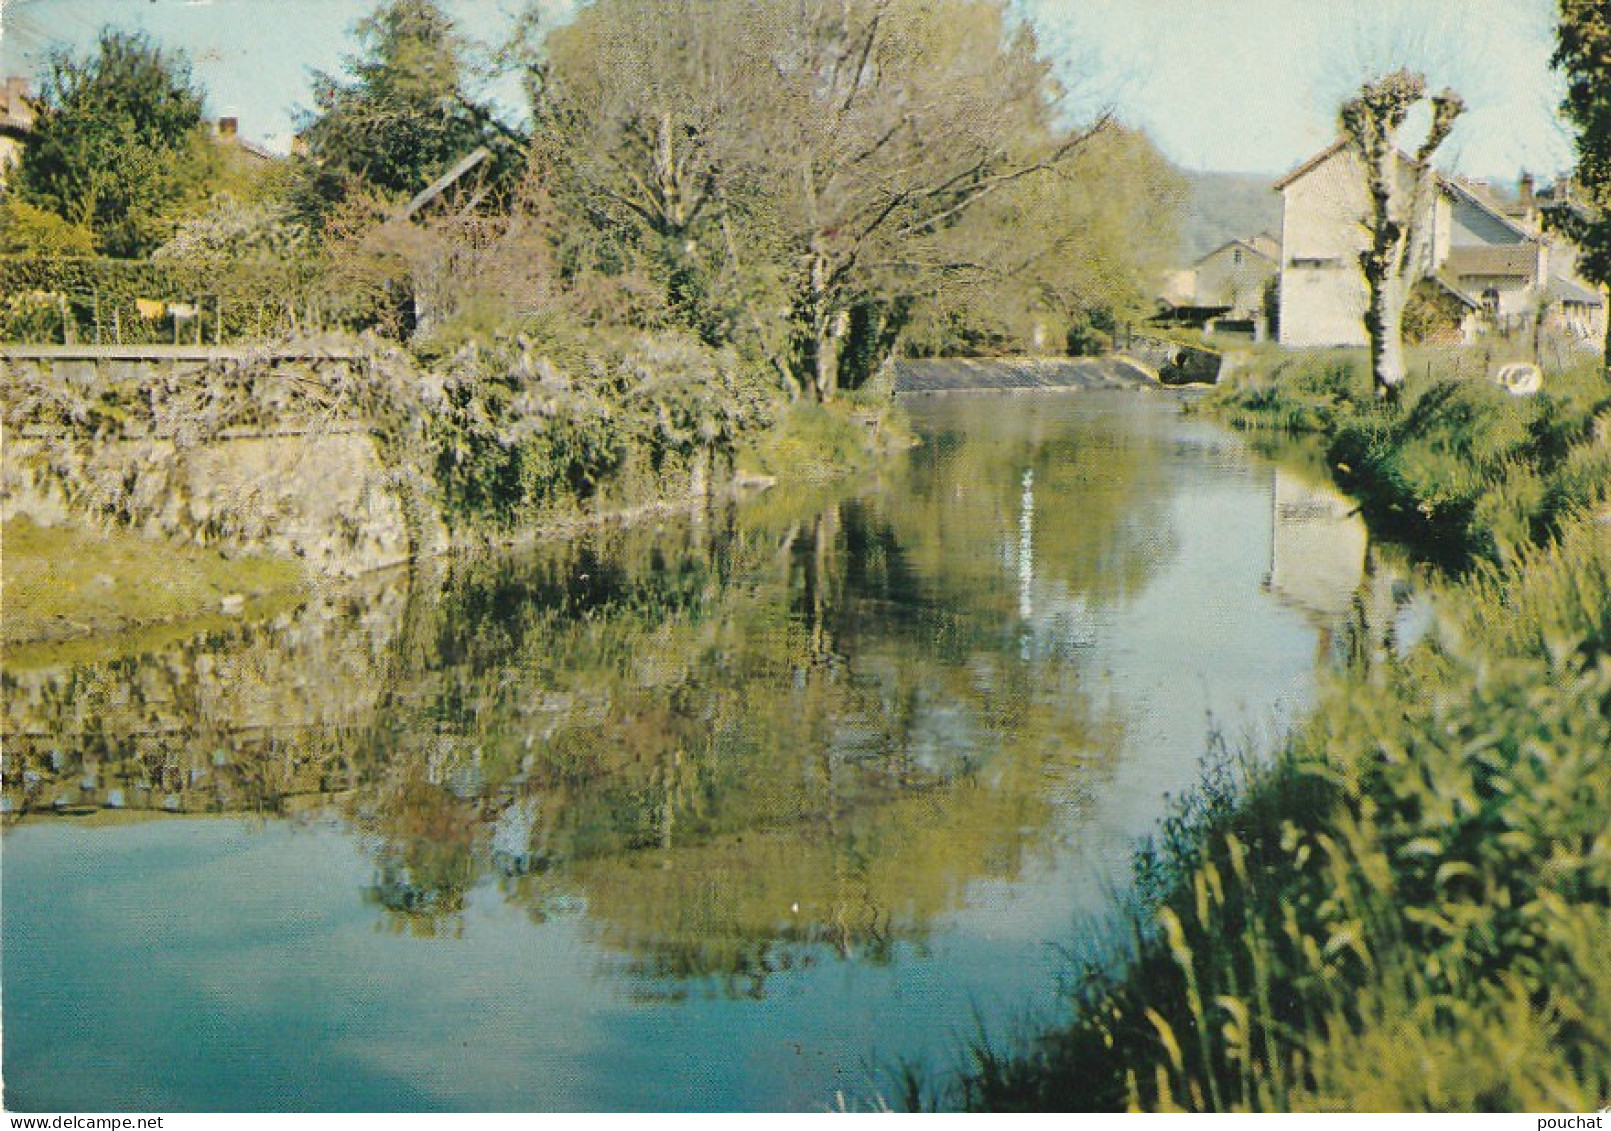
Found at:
[248, 459]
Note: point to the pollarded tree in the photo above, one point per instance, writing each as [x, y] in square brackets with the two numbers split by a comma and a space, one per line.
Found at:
[1402, 193]
[116, 145]
[1583, 55]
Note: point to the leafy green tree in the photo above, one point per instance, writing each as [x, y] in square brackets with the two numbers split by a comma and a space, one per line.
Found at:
[1583, 55]
[116, 143]
[1051, 262]
[403, 117]
[28, 230]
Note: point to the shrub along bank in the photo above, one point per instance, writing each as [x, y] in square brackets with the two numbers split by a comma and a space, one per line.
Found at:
[1407, 909]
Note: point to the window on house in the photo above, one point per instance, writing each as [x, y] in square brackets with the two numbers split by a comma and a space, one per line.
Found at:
[1318, 263]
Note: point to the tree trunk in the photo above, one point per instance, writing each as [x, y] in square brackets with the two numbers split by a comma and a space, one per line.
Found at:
[824, 329]
[1385, 323]
[1605, 361]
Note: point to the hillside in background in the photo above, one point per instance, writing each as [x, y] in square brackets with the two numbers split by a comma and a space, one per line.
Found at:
[1226, 206]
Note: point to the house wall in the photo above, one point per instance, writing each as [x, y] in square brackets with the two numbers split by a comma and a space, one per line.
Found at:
[1323, 291]
[1323, 294]
[10, 154]
[1517, 297]
[1584, 326]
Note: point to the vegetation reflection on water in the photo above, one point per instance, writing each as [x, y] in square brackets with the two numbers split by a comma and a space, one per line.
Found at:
[796, 732]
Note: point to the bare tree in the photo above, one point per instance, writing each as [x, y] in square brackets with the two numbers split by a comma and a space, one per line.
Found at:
[826, 145]
[1402, 192]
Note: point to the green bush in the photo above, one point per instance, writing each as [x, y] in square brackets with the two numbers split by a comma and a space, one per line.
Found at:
[1296, 392]
[31, 316]
[1467, 470]
[257, 298]
[29, 230]
[542, 417]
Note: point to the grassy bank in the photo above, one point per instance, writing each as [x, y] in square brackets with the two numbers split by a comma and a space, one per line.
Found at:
[62, 584]
[1420, 883]
[1459, 467]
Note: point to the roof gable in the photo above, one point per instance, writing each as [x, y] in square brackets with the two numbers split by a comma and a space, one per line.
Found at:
[1311, 165]
[1453, 185]
[1246, 245]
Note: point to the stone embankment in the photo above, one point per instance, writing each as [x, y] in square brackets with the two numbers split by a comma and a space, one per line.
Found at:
[251, 452]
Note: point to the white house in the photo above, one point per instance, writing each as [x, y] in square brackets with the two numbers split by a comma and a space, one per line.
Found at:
[1235, 274]
[1490, 255]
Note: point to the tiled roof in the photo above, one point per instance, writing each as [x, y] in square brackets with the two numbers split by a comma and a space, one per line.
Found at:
[16, 108]
[1450, 286]
[1310, 165]
[1514, 260]
[1484, 200]
[1565, 290]
[1266, 252]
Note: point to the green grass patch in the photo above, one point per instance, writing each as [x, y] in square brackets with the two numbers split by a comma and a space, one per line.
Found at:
[60, 584]
[820, 443]
[1457, 467]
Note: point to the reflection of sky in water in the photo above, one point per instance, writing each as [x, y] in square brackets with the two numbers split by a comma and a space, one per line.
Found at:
[189, 964]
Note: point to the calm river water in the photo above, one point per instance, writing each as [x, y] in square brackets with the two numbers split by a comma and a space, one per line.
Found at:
[730, 814]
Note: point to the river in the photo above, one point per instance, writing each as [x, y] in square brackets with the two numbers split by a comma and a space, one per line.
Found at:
[732, 813]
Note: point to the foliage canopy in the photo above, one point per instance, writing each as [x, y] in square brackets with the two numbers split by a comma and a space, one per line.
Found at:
[1583, 55]
[114, 145]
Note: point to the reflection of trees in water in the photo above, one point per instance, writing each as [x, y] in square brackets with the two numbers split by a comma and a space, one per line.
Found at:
[253, 720]
[735, 747]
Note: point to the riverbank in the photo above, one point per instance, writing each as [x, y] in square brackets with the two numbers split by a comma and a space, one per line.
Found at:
[1421, 880]
[141, 492]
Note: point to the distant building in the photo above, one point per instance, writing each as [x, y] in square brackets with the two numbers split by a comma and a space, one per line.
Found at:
[1490, 255]
[1236, 274]
[1226, 286]
[228, 133]
[16, 123]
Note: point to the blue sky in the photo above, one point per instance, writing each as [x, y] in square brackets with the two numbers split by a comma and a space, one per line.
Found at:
[1237, 85]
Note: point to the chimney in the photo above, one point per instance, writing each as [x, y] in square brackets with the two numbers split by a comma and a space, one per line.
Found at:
[229, 127]
[1525, 190]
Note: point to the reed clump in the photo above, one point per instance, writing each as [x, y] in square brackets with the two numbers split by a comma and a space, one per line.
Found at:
[1456, 465]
